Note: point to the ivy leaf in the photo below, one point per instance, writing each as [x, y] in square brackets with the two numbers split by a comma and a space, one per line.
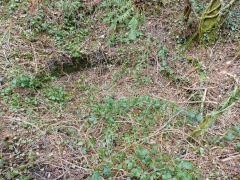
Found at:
[137, 172]
[113, 27]
[238, 147]
[229, 137]
[164, 63]
[164, 2]
[186, 165]
[107, 171]
[133, 24]
[203, 77]
[1, 163]
[96, 176]
[166, 176]
[132, 35]
[80, 143]
[236, 129]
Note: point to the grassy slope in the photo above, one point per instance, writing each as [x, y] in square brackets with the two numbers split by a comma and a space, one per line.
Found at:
[129, 118]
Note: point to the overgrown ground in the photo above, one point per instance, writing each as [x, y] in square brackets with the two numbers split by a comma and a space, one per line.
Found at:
[127, 115]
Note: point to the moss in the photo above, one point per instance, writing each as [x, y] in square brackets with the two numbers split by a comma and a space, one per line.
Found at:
[213, 116]
[68, 66]
[210, 23]
[209, 20]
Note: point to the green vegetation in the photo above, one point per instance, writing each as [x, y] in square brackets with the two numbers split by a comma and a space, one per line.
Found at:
[106, 89]
[211, 19]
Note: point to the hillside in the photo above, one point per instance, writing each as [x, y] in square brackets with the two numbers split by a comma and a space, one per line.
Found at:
[114, 89]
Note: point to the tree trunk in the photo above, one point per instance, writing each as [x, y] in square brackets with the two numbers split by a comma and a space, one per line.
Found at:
[213, 116]
[187, 10]
[211, 20]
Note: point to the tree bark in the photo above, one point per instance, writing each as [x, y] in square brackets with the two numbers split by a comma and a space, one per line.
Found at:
[211, 20]
[187, 10]
[210, 118]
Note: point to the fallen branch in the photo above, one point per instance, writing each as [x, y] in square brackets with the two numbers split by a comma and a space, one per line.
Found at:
[210, 118]
[231, 157]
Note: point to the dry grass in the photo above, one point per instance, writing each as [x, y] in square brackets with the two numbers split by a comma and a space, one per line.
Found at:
[54, 154]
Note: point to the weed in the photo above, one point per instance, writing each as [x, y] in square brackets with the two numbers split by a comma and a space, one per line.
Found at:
[26, 81]
[165, 68]
[143, 111]
[56, 95]
[91, 129]
[123, 15]
[66, 31]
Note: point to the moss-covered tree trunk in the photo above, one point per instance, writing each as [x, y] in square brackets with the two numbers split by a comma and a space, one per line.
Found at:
[210, 118]
[187, 10]
[211, 20]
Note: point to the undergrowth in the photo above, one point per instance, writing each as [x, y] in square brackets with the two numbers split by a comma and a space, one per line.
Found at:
[106, 128]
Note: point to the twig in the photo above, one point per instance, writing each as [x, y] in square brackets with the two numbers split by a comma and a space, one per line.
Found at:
[229, 5]
[210, 118]
[4, 52]
[198, 88]
[237, 56]
[85, 169]
[23, 121]
[184, 102]
[60, 176]
[231, 157]
[35, 58]
[195, 102]
[203, 100]
[161, 128]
